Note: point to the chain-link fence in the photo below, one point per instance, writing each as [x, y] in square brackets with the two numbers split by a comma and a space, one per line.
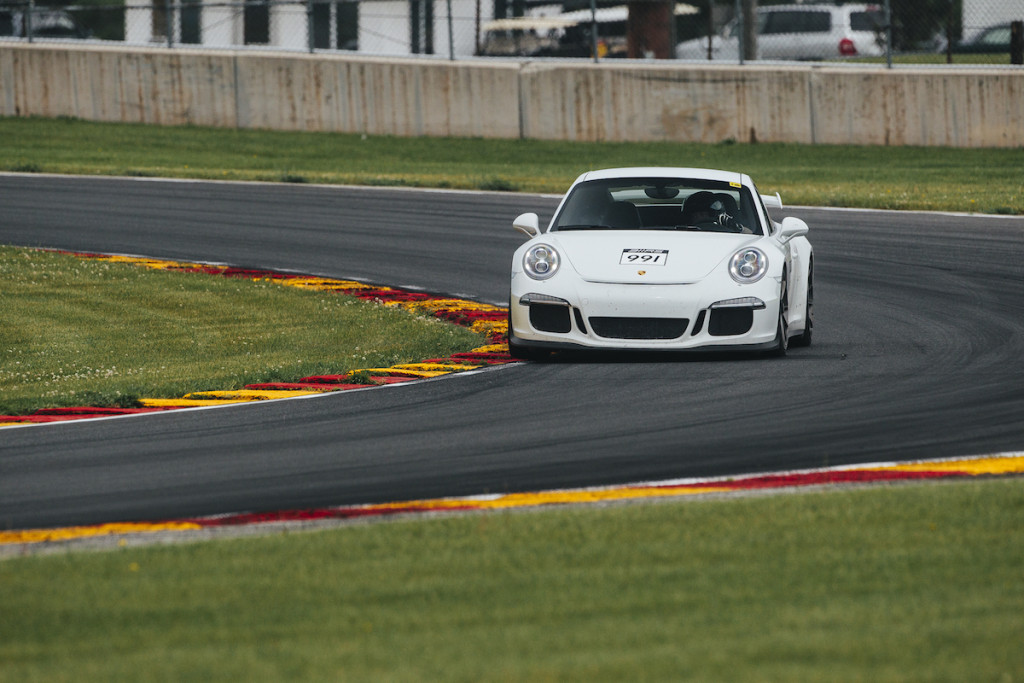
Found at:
[726, 31]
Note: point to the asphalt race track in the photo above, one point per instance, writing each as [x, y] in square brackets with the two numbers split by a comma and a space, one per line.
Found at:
[918, 352]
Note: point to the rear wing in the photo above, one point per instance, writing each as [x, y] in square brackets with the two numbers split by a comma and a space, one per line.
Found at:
[772, 201]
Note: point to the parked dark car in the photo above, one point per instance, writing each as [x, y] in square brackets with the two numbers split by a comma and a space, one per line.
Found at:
[992, 40]
[561, 35]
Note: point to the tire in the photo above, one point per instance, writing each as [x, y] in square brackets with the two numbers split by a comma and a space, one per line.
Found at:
[804, 340]
[782, 327]
[518, 351]
[525, 353]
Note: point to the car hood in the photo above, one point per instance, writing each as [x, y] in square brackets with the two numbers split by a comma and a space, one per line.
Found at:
[646, 256]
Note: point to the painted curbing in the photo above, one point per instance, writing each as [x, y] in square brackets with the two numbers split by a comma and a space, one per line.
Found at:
[486, 319]
[1004, 464]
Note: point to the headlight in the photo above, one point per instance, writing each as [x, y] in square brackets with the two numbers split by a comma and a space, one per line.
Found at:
[748, 265]
[541, 262]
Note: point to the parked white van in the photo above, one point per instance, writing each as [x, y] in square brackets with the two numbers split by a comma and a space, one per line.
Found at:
[804, 32]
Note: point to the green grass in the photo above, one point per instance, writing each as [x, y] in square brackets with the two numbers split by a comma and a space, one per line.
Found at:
[916, 583]
[81, 332]
[932, 178]
[939, 59]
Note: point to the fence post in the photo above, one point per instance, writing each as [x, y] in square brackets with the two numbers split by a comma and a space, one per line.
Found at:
[1017, 42]
[888, 33]
[310, 28]
[739, 29]
[169, 24]
[451, 37]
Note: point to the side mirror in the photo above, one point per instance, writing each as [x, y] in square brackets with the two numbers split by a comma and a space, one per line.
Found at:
[528, 224]
[791, 227]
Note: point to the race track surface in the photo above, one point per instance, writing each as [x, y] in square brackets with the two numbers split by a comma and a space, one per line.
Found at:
[917, 354]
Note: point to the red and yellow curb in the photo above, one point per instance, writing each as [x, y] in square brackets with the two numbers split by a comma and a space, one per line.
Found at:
[1007, 464]
[486, 319]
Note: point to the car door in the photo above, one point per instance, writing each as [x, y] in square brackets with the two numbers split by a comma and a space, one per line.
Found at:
[796, 34]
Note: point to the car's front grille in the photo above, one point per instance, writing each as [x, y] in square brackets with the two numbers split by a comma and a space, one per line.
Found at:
[639, 328]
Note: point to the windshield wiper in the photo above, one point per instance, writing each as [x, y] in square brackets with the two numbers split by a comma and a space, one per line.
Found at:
[586, 227]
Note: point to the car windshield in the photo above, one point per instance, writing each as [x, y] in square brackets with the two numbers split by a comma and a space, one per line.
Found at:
[995, 36]
[872, 20]
[659, 204]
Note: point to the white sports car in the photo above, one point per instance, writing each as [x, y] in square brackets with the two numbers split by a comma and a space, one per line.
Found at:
[659, 259]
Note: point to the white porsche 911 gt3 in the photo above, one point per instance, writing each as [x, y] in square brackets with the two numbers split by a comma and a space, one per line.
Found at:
[660, 259]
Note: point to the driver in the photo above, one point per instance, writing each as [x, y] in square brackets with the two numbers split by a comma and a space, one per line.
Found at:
[709, 208]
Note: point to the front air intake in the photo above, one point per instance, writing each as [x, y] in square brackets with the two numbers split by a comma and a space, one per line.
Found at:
[550, 318]
[726, 322]
[639, 328]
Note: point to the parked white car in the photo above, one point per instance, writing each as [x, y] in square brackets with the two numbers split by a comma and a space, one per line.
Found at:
[661, 259]
[43, 23]
[802, 32]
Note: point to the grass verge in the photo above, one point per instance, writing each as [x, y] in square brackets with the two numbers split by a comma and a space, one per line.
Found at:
[932, 178]
[80, 332]
[913, 583]
[984, 59]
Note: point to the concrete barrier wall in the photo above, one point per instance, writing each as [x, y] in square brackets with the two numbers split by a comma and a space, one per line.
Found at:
[377, 96]
[806, 104]
[648, 101]
[654, 102]
[162, 87]
[953, 108]
[261, 90]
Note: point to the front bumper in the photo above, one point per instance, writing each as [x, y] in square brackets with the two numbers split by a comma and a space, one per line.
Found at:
[713, 314]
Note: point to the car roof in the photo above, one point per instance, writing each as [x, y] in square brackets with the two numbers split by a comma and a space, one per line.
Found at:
[666, 172]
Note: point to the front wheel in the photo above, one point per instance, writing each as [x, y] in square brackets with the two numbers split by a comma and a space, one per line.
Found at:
[518, 351]
[525, 352]
[782, 328]
[804, 339]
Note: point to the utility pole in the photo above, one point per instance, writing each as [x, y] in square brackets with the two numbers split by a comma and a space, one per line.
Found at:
[749, 36]
[650, 29]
